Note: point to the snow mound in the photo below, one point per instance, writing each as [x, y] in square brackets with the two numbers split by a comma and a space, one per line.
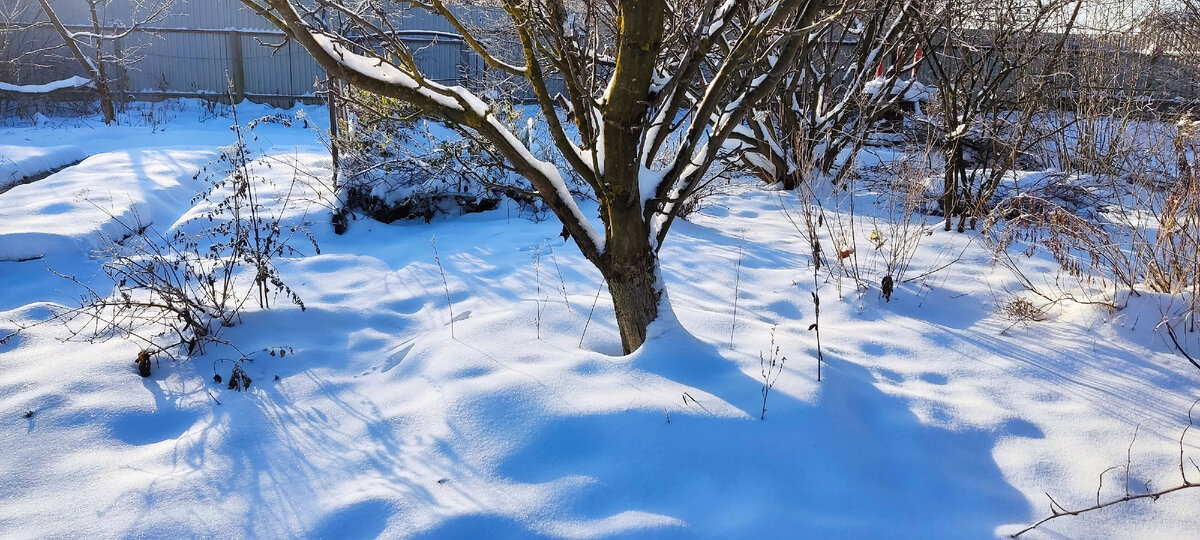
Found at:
[20, 162]
[103, 197]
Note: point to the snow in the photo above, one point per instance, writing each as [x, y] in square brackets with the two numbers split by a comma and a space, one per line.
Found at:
[908, 90]
[71, 82]
[934, 419]
[100, 198]
[132, 176]
[20, 162]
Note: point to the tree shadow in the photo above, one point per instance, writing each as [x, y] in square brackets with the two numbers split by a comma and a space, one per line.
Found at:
[857, 462]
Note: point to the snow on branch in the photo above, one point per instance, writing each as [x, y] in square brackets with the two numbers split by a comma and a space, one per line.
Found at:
[396, 75]
[71, 82]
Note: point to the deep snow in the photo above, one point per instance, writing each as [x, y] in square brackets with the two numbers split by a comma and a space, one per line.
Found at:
[934, 418]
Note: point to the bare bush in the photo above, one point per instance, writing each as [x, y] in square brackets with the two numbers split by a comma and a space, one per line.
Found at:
[1133, 225]
[1082, 248]
[771, 365]
[1021, 310]
[1175, 263]
[992, 66]
[901, 200]
[177, 293]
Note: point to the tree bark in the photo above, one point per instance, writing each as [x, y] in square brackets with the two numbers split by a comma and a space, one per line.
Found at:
[630, 265]
[636, 293]
[950, 202]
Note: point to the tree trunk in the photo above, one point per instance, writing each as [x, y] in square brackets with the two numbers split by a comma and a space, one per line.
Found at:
[106, 100]
[101, 78]
[636, 292]
[630, 265]
[94, 70]
[950, 202]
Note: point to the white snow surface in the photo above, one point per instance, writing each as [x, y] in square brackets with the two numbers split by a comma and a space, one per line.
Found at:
[931, 420]
[908, 90]
[135, 176]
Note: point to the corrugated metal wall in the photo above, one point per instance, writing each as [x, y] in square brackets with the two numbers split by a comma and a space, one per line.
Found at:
[186, 14]
[195, 51]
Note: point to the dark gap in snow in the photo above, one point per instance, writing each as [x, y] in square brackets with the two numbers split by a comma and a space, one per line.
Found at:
[39, 176]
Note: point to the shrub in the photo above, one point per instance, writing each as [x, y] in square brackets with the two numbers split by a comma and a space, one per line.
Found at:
[397, 164]
[177, 292]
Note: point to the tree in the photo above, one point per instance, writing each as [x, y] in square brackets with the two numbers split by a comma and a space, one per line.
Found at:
[654, 89]
[97, 64]
[988, 59]
[839, 88]
[19, 50]
[1176, 26]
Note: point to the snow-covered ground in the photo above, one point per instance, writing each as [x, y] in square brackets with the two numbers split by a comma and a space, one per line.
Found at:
[20, 162]
[933, 419]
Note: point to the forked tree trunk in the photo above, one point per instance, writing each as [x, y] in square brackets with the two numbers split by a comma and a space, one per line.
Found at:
[619, 135]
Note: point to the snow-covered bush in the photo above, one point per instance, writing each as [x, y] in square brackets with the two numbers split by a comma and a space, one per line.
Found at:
[1137, 227]
[397, 164]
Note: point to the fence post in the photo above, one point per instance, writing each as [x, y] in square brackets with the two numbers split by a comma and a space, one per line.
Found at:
[332, 89]
[122, 78]
[237, 69]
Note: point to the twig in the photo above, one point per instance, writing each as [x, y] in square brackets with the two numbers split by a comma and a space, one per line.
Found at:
[1128, 461]
[737, 281]
[537, 277]
[562, 282]
[1178, 347]
[445, 284]
[1058, 511]
[593, 310]
[816, 327]
[687, 396]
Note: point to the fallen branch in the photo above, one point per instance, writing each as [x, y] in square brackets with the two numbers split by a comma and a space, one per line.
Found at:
[1057, 510]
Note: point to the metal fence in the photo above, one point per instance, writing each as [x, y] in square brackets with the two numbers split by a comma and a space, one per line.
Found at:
[212, 48]
[215, 48]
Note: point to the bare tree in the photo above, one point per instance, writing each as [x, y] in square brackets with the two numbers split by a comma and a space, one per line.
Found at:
[638, 75]
[90, 47]
[9, 14]
[841, 85]
[991, 62]
[19, 50]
